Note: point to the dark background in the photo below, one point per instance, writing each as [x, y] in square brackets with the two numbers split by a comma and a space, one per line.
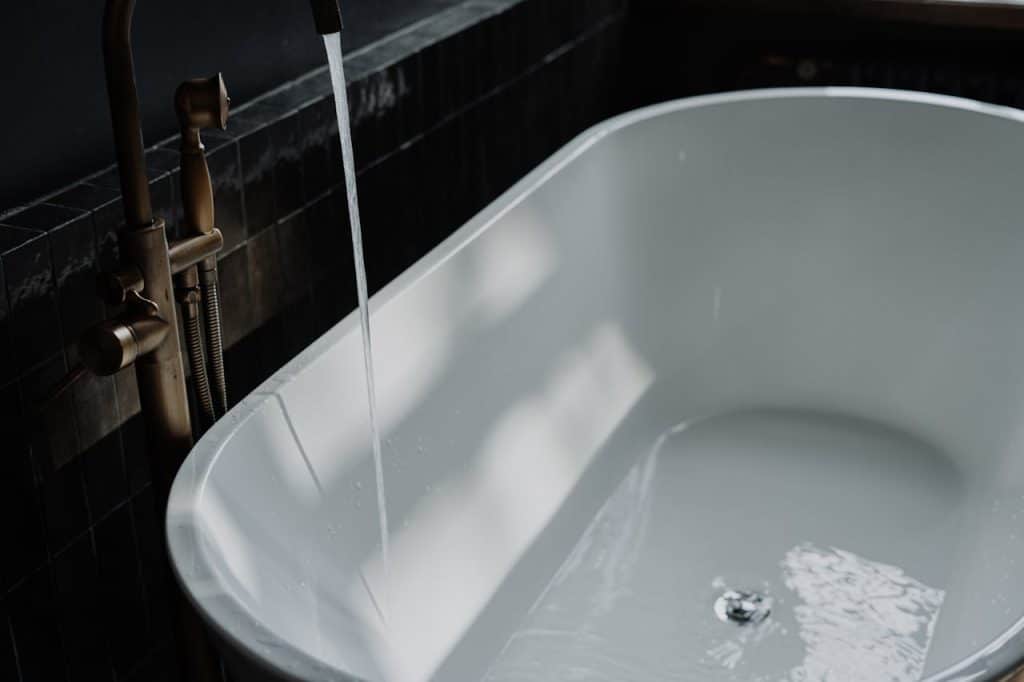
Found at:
[55, 124]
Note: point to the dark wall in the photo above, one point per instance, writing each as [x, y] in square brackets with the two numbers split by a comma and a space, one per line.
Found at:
[54, 123]
[704, 46]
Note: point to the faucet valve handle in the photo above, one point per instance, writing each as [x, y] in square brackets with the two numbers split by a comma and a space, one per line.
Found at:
[116, 287]
[114, 344]
[202, 103]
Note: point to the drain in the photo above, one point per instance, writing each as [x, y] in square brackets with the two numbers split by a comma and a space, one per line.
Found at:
[742, 607]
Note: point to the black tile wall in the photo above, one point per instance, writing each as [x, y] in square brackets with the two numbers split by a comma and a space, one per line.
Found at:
[445, 116]
[8, 661]
[34, 326]
[34, 615]
[705, 47]
[76, 577]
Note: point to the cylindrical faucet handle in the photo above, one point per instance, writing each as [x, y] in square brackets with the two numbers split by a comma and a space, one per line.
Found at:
[202, 103]
[114, 344]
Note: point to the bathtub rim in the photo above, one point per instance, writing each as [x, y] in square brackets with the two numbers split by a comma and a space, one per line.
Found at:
[236, 626]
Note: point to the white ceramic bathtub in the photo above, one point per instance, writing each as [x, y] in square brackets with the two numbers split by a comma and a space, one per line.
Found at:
[766, 340]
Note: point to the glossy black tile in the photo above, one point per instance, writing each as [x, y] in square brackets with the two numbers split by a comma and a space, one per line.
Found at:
[164, 197]
[226, 176]
[296, 257]
[76, 578]
[73, 247]
[328, 224]
[237, 319]
[244, 365]
[162, 167]
[450, 63]
[123, 621]
[95, 405]
[301, 322]
[439, 191]
[104, 204]
[154, 566]
[160, 665]
[136, 454]
[65, 507]
[266, 280]
[109, 178]
[8, 659]
[258, 157]
[34, 619]
[289, 193]
[287, 100]
[49, 420]
[108, 221]
[106, 482]
[34, 317]
[43, 217]
[317, 122]
[393, 234]
[378, 104]
[127, 391]
[21, 519]
[8, 366]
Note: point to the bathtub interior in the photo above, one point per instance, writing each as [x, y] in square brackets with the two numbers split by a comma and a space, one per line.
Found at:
[848, 263]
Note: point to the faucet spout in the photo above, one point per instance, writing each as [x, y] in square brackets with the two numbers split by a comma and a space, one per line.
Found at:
[327, 16]
[124, 112]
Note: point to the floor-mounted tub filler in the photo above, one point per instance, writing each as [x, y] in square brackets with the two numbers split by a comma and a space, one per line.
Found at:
[729, 388]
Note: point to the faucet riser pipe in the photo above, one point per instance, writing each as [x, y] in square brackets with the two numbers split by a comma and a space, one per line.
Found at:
[161, 375]
[124, 112]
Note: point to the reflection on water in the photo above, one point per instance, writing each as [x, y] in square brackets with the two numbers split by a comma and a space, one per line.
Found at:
[859, 620]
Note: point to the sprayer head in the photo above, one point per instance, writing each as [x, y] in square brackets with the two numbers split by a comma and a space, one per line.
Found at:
[327, 16]
[202, 103]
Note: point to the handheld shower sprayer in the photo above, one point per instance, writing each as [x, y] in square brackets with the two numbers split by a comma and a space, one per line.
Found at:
[201, 103]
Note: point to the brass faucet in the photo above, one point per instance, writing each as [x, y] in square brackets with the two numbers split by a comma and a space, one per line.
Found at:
[156, 275]
[146, 334]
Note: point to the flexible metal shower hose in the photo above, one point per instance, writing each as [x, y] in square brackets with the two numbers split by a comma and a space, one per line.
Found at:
[194, 341]
[215, 344]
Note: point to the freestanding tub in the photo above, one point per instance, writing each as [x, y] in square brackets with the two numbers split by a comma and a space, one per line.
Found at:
[768, 341]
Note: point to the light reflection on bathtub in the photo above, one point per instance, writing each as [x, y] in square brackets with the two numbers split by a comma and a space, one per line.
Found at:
[486, 518]
[413, 352]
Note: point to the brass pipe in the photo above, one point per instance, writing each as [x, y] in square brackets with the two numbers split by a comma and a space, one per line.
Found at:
[186, 252]
[124, 112]
[161, 374]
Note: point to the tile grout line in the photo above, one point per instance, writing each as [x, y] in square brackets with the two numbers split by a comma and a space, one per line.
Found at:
[14, 648]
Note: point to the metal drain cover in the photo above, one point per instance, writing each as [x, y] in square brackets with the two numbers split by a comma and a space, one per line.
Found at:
[742, 607]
